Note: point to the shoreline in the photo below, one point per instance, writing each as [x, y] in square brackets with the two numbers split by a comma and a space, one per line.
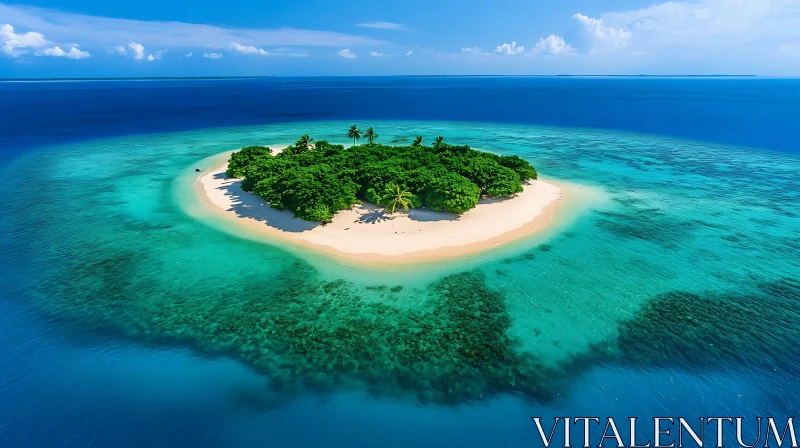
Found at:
[402, 238]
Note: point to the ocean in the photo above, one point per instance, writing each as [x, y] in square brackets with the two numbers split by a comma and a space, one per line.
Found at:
[124, 321]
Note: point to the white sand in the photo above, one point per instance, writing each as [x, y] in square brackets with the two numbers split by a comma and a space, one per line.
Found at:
[368, 233]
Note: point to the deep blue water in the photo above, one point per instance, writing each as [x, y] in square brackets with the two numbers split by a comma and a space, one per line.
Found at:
[750, 112]
[61, 386]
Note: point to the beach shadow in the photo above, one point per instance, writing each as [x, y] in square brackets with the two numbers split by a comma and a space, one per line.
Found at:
[422, 215]
[374, 216]
[248, 205]
[494, 199]
[491, 200]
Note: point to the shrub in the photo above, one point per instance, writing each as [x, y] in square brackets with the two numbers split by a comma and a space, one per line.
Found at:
[316, 183]
[244, 157]
[452, 193]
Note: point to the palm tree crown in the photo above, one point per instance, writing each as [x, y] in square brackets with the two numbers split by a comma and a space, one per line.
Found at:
[304, 144]
[396, 197]
[354, 133]
[417, 141]
[371, 135]
[438, 141]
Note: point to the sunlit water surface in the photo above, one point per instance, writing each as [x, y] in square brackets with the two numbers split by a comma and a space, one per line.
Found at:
[673, 291]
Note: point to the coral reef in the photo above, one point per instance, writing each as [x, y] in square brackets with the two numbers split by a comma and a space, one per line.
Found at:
[311, 335]
[716, 331]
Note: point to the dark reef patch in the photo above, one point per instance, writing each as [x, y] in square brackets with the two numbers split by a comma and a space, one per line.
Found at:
[757, 330]
[648, 224]
[309, 335]
[105, 250]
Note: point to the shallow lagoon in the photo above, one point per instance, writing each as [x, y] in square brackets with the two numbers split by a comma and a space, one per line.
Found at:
[602, 300]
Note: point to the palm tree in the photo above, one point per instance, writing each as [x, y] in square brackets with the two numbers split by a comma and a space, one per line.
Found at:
[304, 144]
[417, 141]
[371, 135]
[396, 197]
[437, 142]
[354, 133]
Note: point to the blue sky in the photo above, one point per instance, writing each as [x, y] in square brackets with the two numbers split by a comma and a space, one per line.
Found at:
[66, 38]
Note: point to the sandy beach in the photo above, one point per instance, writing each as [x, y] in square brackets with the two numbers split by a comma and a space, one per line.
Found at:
[367, 233]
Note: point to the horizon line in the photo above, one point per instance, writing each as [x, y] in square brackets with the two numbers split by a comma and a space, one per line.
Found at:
[563, 75]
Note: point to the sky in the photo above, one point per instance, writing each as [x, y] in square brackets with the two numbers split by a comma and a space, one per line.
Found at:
[140, 38]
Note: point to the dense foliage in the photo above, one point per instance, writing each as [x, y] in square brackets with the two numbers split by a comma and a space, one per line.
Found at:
[315, 180]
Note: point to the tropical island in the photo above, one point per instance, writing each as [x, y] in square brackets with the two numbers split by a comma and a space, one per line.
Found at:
[394, 203]
[316, 180]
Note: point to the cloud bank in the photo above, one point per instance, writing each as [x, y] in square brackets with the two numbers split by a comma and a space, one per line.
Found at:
[602, 37]
[101, 32]
[553, 45]
[249, 49]
[384, 26]
[17, 44]
[73, 53]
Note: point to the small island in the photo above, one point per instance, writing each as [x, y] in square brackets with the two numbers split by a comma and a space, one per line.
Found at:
[377, 202]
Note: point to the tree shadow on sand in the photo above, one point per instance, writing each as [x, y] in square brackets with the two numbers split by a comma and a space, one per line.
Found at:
[423, 215]
[374, 217]
[248, 205]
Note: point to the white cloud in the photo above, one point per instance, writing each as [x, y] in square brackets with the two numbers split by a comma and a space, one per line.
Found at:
[188, 55]
[212, 55]
[553, 45]
[73, 53]
[384, 26]
[478, 51]
[288, 52]
[409, 53]
[712, 24]
[249, 49]
[138, 50]
[688, 36]
[510, 49]
[97, 32]
[346, 53]
[602, 37]
[13, 44]
[699, 36]
[375, 54]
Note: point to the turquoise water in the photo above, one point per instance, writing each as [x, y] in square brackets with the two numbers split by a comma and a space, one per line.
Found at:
[684, 262]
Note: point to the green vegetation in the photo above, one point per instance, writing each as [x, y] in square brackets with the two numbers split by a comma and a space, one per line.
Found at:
[371, 135]
[354, 133]
[243, 158]
[397, 197]
[315, 180]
